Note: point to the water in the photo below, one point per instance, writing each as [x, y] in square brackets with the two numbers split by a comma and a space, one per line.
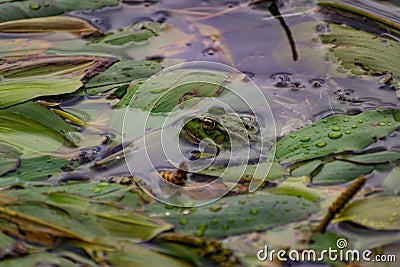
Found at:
[292, 76]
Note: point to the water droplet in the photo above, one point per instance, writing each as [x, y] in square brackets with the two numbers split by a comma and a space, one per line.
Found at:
[292, 136]
[335, 135]
[199, 233]
[288, 209]
[325, 121]
[321, 144]
[347, 132]
[202, 227]
[193, 209]
[356, 58]
[336, 128]
[102, 184]
[248, 219]
[215, 208]
[214, 221]
[34, 6]
[360, 121]
[353, 126]
[97, 190]
[231, 220]
[305, 139]
[390, 124]
[254, 211]
[317, 131]
[183, 221]
[225, 227]
[382, 124]
[391, 219]
[345, 120]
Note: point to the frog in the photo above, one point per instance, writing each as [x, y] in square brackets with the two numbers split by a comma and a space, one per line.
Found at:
[222, 131]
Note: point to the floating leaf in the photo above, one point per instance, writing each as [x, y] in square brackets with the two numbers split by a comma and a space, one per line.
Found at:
[28, 136]
[121, 73]
[392, 181]
[13, 10]
[36, 113]
[22, 47]
[380, 213]
[236, 215]
[9, 159]
[44, 217]
[166, 92]
[342, 169]
[362, 52]
[72, 25]
[275, 171]
[47, 76]
[337, 133]
[33, 170]
[139, 41]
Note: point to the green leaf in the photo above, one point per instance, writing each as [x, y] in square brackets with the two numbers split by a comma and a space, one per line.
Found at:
[13, 10]
[121, 73]
[379, 213]
[342, 169]
[139, 41]
[72, 25]
[34, 170]
[236, 215]
[335, 134]
[392, 181]
[45, 217]
[37, 113]
[339, 172]
[15, 91]
[361, 52]
[9, 159]
[25, 79]
[28, 136]
[166, 92]
[275, 171]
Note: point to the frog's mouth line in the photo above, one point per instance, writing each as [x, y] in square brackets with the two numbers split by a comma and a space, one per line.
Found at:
[192, 138]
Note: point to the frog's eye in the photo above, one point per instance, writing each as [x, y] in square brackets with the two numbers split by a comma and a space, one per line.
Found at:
[208, 124]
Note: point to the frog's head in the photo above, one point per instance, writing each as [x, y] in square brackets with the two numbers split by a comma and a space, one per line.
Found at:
[226, 130]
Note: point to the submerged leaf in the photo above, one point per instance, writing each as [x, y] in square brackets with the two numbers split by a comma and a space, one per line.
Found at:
[380, 213]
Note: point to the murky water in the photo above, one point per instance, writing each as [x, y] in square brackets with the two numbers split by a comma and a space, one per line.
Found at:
[255, 42]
